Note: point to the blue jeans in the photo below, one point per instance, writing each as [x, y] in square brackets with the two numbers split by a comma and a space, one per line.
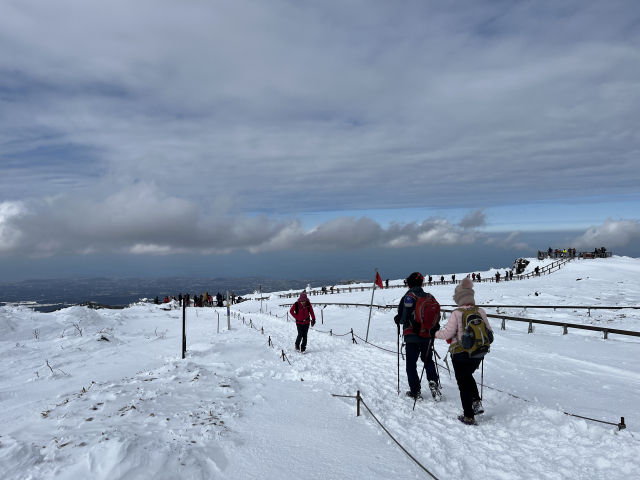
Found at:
[415, 351]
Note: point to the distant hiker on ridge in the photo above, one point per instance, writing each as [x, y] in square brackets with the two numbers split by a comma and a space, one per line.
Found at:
[302, 311]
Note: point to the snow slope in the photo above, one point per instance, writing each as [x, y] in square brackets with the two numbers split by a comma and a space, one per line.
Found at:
[130, 407]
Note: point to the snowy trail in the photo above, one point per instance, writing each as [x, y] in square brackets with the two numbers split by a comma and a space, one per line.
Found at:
[229, 410]
[524, 439]
[131, 408]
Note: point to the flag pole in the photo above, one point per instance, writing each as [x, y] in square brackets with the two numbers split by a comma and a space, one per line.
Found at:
[373, 290]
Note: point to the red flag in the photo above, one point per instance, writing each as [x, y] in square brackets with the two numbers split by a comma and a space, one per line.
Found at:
[378, 280]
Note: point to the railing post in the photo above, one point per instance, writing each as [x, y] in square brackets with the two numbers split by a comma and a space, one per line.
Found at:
[530, 327]
[606, 334]
[358, 398]
[184, 333]
[621, 425]
[589, 312]
[565, 329]
[503, 327]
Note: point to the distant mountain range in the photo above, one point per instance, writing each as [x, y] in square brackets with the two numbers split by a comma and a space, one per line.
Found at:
[49, 295]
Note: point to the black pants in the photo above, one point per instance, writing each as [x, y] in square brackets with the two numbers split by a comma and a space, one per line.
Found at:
[415, 350]
[463, 366]
[302, 335]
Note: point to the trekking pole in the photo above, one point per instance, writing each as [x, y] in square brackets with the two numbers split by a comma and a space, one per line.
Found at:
[398, 359]
[424, 366]
[435, 361]
[416, 399]
[482, 379]
[446, 362]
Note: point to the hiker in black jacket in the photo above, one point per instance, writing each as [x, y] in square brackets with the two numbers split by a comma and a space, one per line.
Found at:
[417, 346]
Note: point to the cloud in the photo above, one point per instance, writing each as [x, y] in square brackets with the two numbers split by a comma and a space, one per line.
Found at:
[611, 234]
[512, 242]
[289, 107]
[473, 219]
[9, 236]
[142, 220]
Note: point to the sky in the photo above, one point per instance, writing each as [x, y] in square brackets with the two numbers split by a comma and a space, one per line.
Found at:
[281, 138]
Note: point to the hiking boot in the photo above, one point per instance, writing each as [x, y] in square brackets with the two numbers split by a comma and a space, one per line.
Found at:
[298, 347]
[478, 409]
[416, 396]
[467, 420]
[435, 391]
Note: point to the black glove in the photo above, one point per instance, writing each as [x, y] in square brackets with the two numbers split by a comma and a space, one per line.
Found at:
[397, 319]
[434, 329]
[313, 323]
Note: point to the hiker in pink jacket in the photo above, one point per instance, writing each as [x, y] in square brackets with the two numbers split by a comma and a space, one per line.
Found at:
[463, 364]
[302, 311]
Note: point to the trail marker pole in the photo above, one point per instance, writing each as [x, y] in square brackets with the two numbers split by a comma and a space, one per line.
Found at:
[228, 312]
[184, 325]
[373, 290]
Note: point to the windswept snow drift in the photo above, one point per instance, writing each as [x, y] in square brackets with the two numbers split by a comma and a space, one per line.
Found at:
[119, 402]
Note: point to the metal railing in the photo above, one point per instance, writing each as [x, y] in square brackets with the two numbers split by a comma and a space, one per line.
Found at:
[577, 255]
[547, 269]
[567, 307]
[531, 321]
[565, 326]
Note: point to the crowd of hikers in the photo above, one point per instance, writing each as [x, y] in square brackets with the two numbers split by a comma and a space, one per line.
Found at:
[570, 253]
[467, 332]
[203, 300]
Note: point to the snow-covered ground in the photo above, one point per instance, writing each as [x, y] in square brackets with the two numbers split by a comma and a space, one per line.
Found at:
[130, 407]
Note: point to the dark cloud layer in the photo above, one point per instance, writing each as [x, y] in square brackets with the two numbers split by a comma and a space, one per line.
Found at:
[143, 220]
[288, 107]
[160, 225]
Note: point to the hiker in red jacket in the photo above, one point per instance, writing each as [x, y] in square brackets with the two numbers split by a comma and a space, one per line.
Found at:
[302, 311]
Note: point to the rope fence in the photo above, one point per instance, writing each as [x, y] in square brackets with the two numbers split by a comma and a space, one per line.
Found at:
[360, 400]
[621, 425]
